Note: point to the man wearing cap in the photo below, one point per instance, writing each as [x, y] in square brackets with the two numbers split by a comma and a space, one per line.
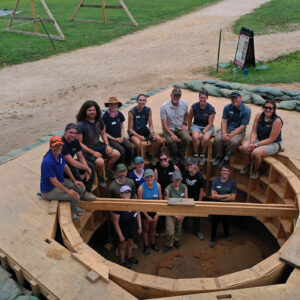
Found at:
[121, 180]
[113, 121]
[81, 166]
[174, 118]
[53, 184]
[173, 223]
[236, 117]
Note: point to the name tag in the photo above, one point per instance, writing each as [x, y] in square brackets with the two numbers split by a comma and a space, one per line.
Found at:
[182, 195]
[135, 215]
[155, 195]
[138, 117]
[231, 112]
[113, 123]
[218, 187]
[170, 173]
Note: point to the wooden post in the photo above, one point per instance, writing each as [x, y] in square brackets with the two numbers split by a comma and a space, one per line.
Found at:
[104, 12]
[36, 26]
[4, 262]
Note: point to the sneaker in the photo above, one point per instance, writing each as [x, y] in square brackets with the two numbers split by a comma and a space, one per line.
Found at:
[228, 238]
[132, 260]
[200, 235]
[255, 174]
[182, 159]
[245, 170]
[175, 159]
[167, 249]
[125, 264]
[155, 248]
[176, 244]
[202, 160]
[134, 246]
[224, 162]
[146, 250]
[88, 197]
[212, 244]
[216, 161]
[196, 157]
[101, 182]
[75, 218]
[152, 159]
[80, 210]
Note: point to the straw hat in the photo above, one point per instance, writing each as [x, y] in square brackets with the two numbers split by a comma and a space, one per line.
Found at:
[113, 100]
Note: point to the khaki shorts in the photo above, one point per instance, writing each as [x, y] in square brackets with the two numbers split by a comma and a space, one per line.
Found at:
[272, 148]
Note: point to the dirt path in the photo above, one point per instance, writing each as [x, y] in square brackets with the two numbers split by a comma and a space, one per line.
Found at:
[39, 97]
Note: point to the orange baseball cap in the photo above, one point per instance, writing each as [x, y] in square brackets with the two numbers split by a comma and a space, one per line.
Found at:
[56, 140]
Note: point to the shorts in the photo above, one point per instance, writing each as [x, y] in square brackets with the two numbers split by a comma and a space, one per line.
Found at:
[200, 128]
[272, 148]
[129, 230]
[99, 147]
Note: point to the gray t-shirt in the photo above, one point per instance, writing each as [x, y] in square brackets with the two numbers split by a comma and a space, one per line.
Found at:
[114, 188]
[174, 115]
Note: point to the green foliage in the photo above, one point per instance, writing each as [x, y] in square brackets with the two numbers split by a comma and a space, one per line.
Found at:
[271, 17]
[17, 48]
[284, 69]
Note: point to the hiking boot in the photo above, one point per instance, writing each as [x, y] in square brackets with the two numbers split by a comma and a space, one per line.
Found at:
[132, 260]
[228, 238]
[175, 159]
[101, 182]
[245, 170]
[255, 174]
[75, 218]
[146, 250]
[176, 244]
[216, 162]
[200, 235]
[155, 248]
[88, 197]
[212, 244]
[80, 210]
[182, 159]
[196, 157]
[202, 160]
[152, 159]
[167, 249]
[125, 264]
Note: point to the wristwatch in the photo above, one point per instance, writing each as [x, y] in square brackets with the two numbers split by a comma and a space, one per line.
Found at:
[256, 145]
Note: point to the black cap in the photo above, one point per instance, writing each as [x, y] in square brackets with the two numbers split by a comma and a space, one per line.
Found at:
[70, 126]
[235, 94]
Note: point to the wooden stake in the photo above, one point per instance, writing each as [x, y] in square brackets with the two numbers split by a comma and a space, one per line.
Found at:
[36, 26]
[104, 12]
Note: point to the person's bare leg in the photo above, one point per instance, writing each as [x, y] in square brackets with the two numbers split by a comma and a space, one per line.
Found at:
[145, 231]
[152, 232]
[121, 248]
[129, 248]
[244, 150]
[257, 155]
[155, 145]
[99, 166]
[196, 140]
[137, 145]
[114, 157]
[204, 142]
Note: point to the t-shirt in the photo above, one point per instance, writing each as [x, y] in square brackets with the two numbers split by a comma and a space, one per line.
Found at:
[201, 116]
[51, 168]
[173, 193]
[194, 184]
[236, 116]
[223, 188]
[164, 175]
[137, 180]
[140, 119]
[150, 193]
[126, 216]
[113, 125]
[114, 188]
[71, 148]
[90, 132]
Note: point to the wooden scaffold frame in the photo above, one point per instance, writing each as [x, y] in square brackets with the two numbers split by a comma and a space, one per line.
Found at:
[104, 7]
[35, 19]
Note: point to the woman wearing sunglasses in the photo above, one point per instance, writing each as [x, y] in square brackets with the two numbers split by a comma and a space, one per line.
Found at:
[265, 139]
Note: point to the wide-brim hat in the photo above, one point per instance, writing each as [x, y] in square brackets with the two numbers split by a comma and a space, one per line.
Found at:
[113, 100]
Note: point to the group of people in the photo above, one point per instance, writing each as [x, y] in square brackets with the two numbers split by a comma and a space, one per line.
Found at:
[69, 167]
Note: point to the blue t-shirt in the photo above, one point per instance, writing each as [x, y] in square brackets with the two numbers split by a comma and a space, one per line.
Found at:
[113, 125]
[126, 216]
[51, 168]
[264, 129]
[150, 193]
[223, 188]
[201, 115]
[71, 148]
[137, 180]
[140, 119]
[236, 116]
[90, 132]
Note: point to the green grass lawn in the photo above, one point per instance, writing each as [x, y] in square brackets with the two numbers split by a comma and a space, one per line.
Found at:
[16, 48]
[285, 69]
[271, 17]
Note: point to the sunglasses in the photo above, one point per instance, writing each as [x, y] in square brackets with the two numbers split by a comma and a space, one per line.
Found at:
[163, 159]
[268, 107]
[140, 163]
[126, 192]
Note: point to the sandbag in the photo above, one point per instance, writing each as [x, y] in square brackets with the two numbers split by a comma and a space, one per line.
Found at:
[210, 81]
[283, 98]
[246, 97]
[267, 90]
[9, 289]
[180, 85]
[222, 85]
[292, 93]
[195, 85]
[212, 90]
[246, 87]
[258, 99]
[225, 92]
[288, 105]
[234, 86]
[298, 108]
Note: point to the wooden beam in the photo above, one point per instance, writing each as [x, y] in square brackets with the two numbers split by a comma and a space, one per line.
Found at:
[100, 6]
[32, 19]
[4, 262]
[104, 12]
[34, 15]
[200, 209]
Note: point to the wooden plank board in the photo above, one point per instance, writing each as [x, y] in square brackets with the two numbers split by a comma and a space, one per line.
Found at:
[94, 264]
[291, 251]
[53, 206]
[181, 201]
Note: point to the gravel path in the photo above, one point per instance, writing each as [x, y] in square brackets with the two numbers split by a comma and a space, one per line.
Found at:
[39, 97]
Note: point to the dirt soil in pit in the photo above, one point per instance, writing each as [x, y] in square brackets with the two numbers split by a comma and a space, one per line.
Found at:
[196, 259]
[40, 97]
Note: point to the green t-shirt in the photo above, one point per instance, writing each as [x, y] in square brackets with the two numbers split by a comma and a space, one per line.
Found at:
[173, 193]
